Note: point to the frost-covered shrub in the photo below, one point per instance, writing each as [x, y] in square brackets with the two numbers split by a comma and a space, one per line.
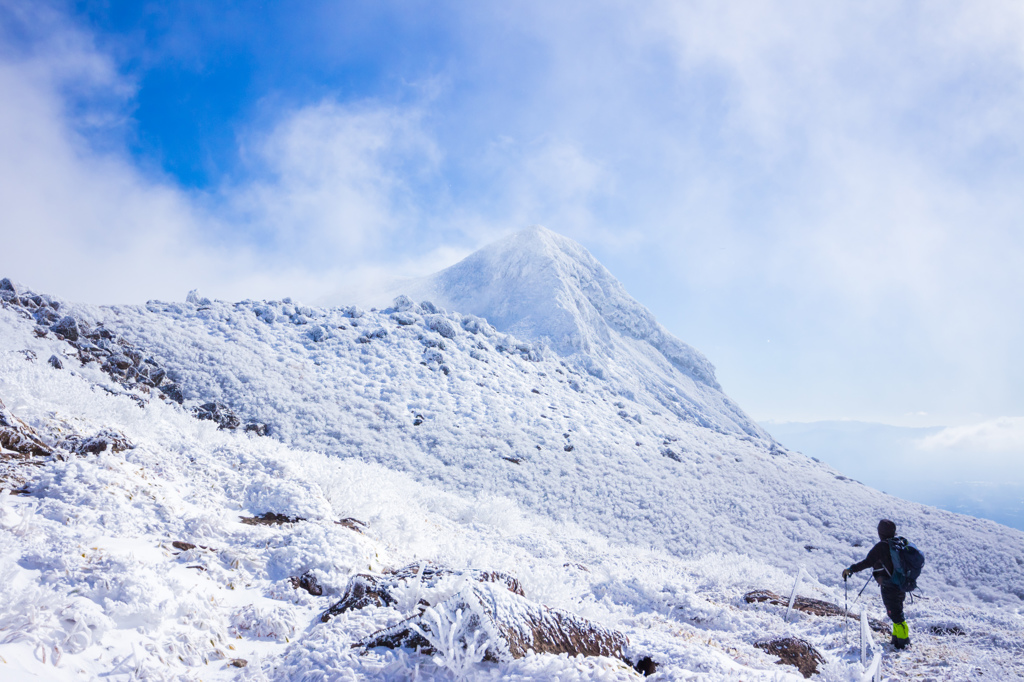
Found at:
[274, 623]
[405, 318]
[477, 325]
[266, 314]
[460, 637]
[195, 299]
[442, 325]
[403, 303]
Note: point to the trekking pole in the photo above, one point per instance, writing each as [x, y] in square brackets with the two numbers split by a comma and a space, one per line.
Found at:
[846, 609]
[862, 589]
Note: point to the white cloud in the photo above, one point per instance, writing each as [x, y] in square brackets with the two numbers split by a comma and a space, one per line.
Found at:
[1002, 435]
[335, 180]
[89, 224]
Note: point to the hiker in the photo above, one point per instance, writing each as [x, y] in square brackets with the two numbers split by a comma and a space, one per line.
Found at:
[880, 561]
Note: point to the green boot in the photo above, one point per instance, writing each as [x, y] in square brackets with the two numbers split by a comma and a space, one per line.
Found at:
[900, 635]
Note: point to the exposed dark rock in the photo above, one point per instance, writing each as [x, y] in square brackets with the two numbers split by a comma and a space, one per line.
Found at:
[646, 666]
[815, 607]
[353, 524]
[173, 393]
[417, 420]
[46, 316]
[239, 662]
[308, 582]
[7, 285]
[270, 519]
[569, 447]
[219, 414]
[119, 361]
[93, 445]
[259, 428]
[67, 327]
[514, 626]
[795, 652]
[155, 375]
[30, 355]
[183, 546]
[55, 362]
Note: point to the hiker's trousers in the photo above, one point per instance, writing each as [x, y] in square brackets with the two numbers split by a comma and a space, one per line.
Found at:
[893, 597]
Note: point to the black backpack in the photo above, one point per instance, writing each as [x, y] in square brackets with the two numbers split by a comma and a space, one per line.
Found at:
[907, 562]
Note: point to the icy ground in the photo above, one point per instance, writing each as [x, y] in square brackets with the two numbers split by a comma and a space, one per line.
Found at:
[646, 504]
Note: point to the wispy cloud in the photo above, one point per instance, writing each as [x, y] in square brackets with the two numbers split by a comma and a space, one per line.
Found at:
[1002, 435]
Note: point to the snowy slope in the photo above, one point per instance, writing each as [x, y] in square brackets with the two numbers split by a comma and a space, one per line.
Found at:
[629, 491]
[501, 415]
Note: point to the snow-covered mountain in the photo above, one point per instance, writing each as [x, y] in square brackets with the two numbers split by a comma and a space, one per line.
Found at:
[539, 285]
[519, 412]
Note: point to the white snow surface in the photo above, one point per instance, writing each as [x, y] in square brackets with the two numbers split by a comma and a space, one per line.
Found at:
[642, 502]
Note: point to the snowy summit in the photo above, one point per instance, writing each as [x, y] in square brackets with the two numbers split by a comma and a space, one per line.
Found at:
[512, 471]
[539, 285]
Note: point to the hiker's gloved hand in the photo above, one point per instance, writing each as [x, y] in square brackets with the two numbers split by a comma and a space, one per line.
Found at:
[847, 573]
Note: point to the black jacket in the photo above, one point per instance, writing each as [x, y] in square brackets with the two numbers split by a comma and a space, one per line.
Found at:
[880, 561]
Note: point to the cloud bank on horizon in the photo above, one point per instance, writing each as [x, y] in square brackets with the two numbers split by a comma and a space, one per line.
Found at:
[824, 199]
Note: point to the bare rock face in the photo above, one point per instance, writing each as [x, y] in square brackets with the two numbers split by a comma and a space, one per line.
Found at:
[367, 589]
[506, 625]
[795, 652]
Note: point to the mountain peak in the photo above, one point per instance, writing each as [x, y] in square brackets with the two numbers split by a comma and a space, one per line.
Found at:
[538, 284]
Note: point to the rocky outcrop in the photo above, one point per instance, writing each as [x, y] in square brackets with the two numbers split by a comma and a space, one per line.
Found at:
[795, 652]
[120, 359]
[503, 624]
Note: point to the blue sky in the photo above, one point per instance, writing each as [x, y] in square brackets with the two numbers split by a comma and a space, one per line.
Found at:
[824, 198]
